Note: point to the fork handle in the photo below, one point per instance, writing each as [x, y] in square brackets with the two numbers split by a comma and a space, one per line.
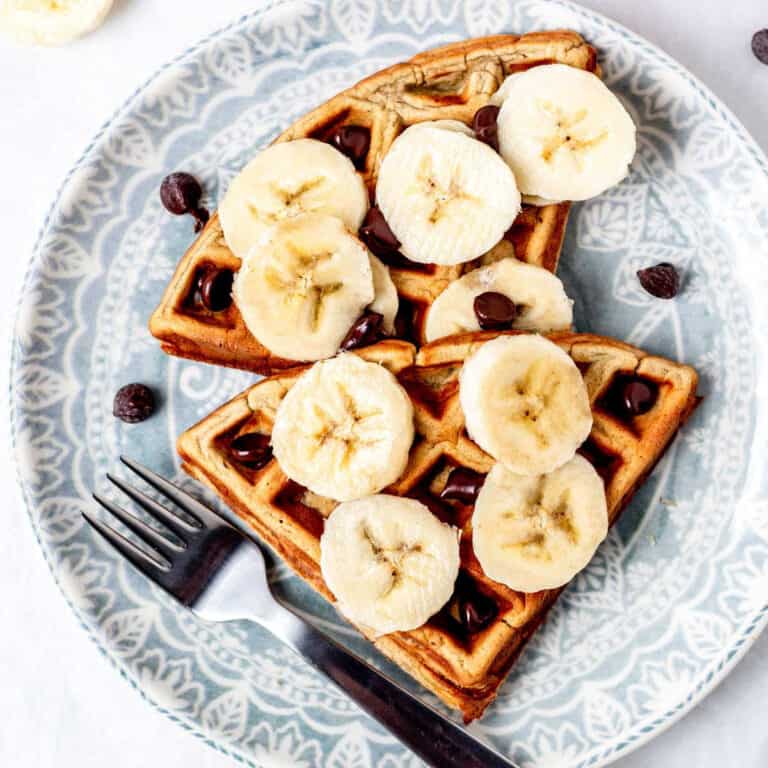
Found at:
[434, 738]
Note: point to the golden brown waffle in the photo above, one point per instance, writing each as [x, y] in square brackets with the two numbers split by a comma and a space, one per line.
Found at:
[465, 669]
[451, 82]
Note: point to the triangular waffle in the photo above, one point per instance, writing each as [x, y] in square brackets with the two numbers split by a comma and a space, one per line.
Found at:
[451, 82]
[465, 669]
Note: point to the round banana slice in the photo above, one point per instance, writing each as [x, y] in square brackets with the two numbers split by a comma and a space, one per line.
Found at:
[286, 180]
[525, 403]
[537, 532]
[390, 563]
[345, 429]
[44, 22]
[447, 197]
[385, 300]
[303, 285]
[564, 134]
[538, 295]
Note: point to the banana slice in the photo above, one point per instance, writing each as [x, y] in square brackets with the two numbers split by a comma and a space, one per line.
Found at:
[51, 22]
[497, 99]
[390, 563]
[525, 403]
[385, 301]
[537, 532]
[288, 179]
[447, 197]
[539, 296]
[563, 133]
[303, 285]
[345, 429]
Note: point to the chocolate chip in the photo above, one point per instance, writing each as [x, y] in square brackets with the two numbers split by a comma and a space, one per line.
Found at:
[637, 397]
[180, 193]
[251, 449]
[353, 141]
[477, 612]
[494, 311]
[463, 485]
[381, 241]
[760, 45]
[484, 125]
[215, 286]
[396, 260]
[377, 235]
[662, 281]
[133, 403]
[628, 396]
[366, 330]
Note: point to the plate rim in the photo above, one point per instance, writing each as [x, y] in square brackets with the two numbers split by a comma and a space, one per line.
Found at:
[640, 734]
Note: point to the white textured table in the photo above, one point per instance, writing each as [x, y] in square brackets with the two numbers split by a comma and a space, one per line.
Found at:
[60, 702]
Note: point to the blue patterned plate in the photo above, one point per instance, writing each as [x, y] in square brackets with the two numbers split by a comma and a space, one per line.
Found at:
[677, 592]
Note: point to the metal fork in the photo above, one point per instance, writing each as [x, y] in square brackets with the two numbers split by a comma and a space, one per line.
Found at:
[212, 568]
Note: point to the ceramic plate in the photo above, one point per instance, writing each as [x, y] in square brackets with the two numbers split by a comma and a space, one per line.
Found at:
[679, 589]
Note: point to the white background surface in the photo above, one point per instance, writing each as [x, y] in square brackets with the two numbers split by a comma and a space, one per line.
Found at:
[61, 703]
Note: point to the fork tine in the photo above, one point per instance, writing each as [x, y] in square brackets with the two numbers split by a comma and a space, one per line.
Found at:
[167, 517]
[200, 512]
[164, 547]
[147, 565]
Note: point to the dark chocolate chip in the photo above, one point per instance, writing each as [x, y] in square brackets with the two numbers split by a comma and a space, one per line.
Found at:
[180, 193]
[396, 260]
[215, 286]
[760, 45]
[354, 141]
[377, 235]
[477, 612]
[381, 241]
[251, 449]
[133, 403]
[662, 281]
[494, 311]
[366, 330]
[637, 397]
[463, 485]
[447, 620]
[484, 125]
